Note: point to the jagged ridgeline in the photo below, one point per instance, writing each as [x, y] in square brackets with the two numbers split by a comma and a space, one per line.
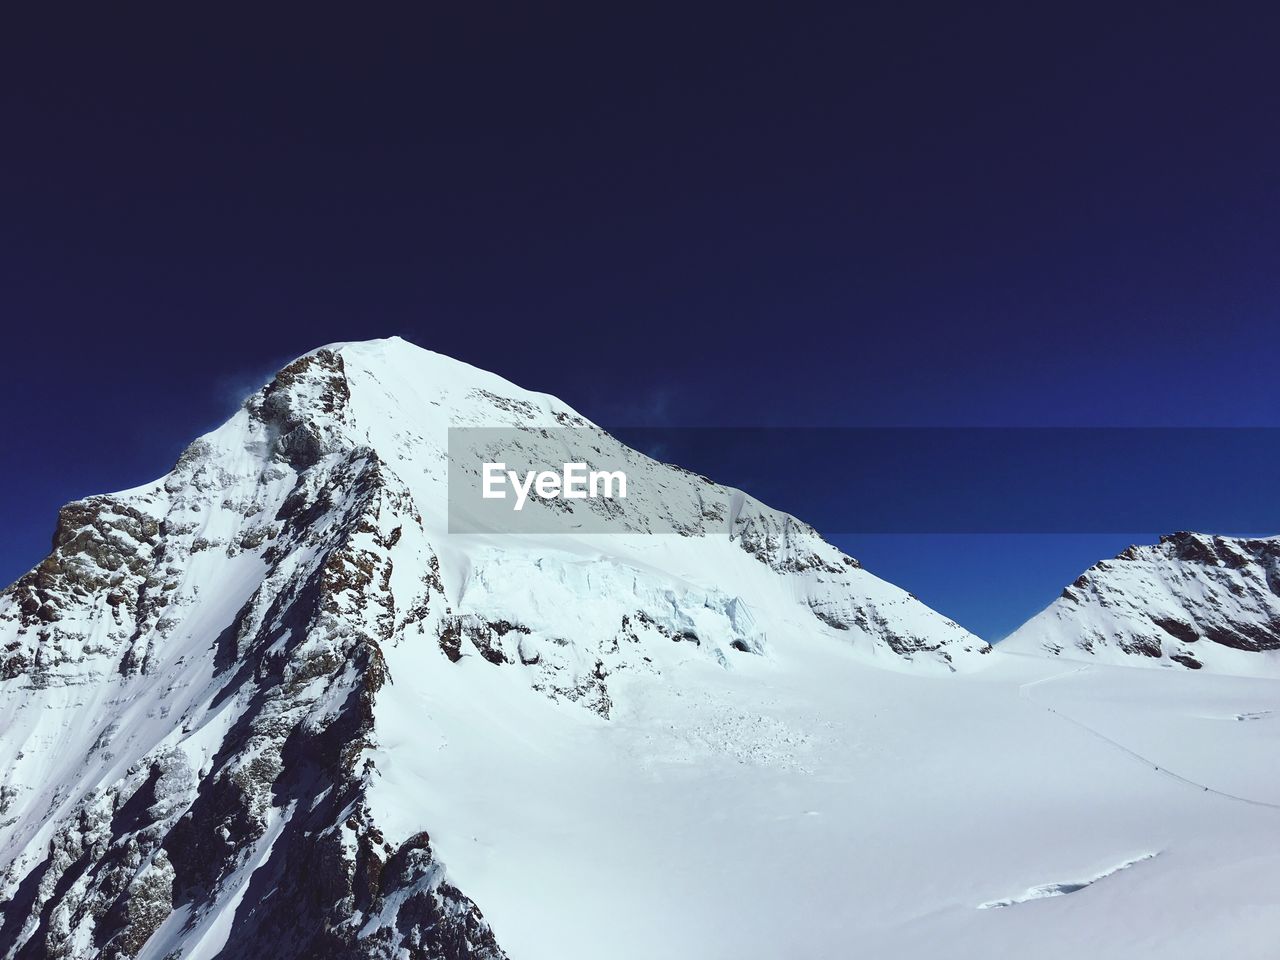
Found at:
[1192, 601]
[199, 680]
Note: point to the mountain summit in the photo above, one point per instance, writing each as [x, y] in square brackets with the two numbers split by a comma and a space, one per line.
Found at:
[1191, 601]
[221, 691]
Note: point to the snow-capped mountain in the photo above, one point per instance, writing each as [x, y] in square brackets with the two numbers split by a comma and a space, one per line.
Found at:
[276, 704]
[227, 695]
[1192, 601]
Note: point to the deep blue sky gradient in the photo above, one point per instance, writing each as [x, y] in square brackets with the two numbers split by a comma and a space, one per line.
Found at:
[835, 215]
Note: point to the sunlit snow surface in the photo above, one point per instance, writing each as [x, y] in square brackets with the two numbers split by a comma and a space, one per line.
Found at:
[813, 795]
[806, 803]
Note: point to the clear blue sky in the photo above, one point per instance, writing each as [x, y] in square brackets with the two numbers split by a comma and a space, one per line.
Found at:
[990, 583]
[848, 215]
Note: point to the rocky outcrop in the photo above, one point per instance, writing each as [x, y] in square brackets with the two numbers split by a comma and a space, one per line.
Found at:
[279, 804]
[1190, 601]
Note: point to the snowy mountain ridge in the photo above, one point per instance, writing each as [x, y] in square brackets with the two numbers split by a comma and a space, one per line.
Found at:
[201, 681]
[1192, 601]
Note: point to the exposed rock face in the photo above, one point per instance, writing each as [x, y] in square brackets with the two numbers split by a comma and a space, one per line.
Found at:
[1192, 600]
[295, 673]
[191, 679]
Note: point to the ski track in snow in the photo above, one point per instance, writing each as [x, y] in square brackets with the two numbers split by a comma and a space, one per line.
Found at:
[1203, 787]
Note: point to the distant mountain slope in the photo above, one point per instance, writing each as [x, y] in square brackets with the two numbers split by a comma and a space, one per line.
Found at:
[195, 685]
[1191, 601]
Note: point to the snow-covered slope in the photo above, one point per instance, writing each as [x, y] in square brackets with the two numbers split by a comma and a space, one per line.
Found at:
[1192, 601]
[197, 697]
[269, 707]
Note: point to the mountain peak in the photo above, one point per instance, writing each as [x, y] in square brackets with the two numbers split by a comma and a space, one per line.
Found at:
[1190, 601]
[233, 650]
